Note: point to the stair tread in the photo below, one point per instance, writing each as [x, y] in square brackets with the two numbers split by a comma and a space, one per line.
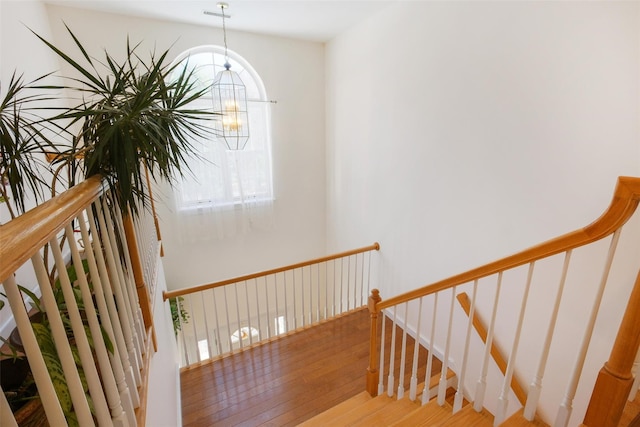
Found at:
[518, 420]
[428, 414]
[363, 410]
[388, 413]
[330, 414]
[468, 417]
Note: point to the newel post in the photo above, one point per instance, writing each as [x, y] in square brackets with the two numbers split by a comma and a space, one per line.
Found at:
[615, 379]
[372, 370]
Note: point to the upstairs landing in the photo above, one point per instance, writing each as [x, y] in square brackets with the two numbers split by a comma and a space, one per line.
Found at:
[286, 381]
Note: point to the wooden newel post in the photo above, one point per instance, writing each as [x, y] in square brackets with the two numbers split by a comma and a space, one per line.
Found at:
[615, 379]
[372, 370]
[141, 288]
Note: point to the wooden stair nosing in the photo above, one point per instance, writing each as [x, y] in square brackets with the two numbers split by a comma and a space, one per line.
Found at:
[426, 415]
[388, 413]
[336, 411]
[518, 420]
[469, 417]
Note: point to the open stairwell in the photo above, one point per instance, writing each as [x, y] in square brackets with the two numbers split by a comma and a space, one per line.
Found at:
[386, 411]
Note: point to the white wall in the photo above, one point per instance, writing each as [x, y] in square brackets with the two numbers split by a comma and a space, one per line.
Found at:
[16, 18]
[462, 132]
[293, 73]
[451, 123]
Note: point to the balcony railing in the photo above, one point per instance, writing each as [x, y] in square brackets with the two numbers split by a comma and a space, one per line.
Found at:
[69, 270]
[228, 316]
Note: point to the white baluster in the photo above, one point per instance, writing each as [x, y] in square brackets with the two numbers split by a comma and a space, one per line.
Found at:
[326, 289]
[428, 373]
[286, 301]
[215, 318]
[113, 375]
[310, 297]
[206, 324]
[275, 291]
[266, 299]
[536, 385]
[349, 284]
[381, 369]
[482, 381]
[226, 310]
[196, 347]
[362, 295]
[185, 347]
[50, 402]
[6, 417]
[295, 302]
[442, 385]
[246, 299]
[103, 414]
[335, 282]
[255, 284]
[413, 386]
[341, 284]
[127, 284]
[369, 276]
[392, 355]
[117, 285]
[566, 407]
[457, 402]
[503, 400]
[403, 352]
[238, 320]
[80, 403]
[115, 317]
[132, 294]
[302, 307]
[60, 337]
[318, 289]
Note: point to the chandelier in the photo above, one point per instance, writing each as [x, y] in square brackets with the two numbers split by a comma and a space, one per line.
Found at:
[230, 101]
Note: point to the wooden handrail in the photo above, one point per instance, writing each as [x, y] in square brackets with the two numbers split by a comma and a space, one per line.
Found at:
[517, 388]
[624, 203]
[179, 292]
[23, 236]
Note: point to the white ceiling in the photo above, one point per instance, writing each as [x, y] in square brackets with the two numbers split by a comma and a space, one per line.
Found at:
[316, 20]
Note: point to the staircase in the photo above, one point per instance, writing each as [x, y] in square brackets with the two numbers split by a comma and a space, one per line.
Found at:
[385, 411]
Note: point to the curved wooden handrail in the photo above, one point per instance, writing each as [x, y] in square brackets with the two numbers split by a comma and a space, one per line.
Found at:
[624, 203]
[179, 292]
[23, 236]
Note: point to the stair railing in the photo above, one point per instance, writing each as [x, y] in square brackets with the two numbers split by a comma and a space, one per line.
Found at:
[70, 258]
[228, 316]
[406, 311]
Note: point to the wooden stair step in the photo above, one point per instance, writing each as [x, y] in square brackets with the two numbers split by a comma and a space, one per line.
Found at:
[329, 415]
[426, 415]
[387, 414]
[381, 402]
[468, 417]
[518, 420]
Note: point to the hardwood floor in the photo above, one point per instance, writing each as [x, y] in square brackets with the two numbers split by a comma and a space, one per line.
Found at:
[287, 381]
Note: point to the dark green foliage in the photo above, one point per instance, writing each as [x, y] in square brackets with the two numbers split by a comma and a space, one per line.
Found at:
[134, 116]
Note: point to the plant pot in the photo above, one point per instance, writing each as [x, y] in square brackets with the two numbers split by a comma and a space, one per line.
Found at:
[14, 337]
[13, 372]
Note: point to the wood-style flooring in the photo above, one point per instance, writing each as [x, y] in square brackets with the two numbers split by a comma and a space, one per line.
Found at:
[289, 380]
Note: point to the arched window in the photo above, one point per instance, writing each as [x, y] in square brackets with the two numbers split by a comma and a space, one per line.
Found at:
[220, 178]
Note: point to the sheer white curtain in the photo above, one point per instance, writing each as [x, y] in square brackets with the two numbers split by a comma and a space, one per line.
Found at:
[227, 191]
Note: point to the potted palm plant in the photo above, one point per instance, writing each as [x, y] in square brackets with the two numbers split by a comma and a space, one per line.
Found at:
[132, 113]
[122, 115]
